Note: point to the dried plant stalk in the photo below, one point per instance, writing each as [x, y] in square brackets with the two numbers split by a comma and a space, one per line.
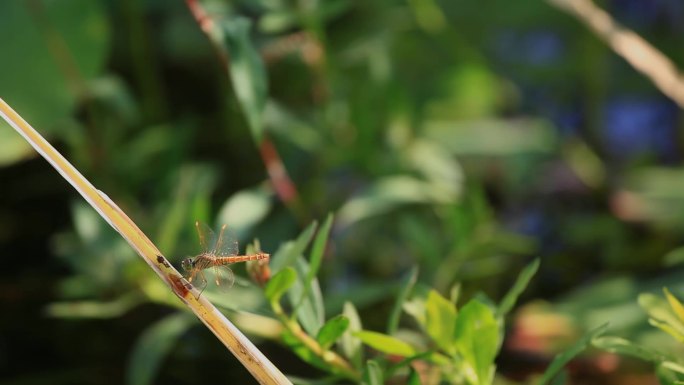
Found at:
[257, 364]
[644, 57]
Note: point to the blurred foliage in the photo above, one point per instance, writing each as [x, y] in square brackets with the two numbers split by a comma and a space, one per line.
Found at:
[454, 141]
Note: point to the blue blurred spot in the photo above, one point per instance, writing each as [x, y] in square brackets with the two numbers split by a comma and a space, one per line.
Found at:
[634, 126]
[535, 48]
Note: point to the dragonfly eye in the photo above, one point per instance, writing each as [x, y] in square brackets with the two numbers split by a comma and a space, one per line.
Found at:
[187, 264]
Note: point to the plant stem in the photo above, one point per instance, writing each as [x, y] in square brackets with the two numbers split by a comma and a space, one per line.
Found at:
[338, 362]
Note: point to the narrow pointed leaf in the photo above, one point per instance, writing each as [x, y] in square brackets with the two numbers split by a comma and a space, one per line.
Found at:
[318, 249]
[372, 375]
[519, 286]
[247, 73]
[563, 358]
[406, 287]
[675, 304]
[628, 348]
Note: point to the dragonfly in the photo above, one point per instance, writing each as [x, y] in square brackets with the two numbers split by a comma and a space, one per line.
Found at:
[217, 254]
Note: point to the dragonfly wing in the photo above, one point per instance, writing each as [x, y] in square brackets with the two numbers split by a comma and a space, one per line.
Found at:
[198, 280]
[227, 243]
[223, 277]
[207, 237]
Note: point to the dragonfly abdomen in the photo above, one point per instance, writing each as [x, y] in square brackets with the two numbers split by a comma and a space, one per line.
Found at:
[241, 258]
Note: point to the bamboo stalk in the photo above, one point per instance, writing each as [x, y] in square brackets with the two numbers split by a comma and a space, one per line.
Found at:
[255, 362]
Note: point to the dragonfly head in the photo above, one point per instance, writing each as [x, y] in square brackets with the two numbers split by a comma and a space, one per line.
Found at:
[187, 264]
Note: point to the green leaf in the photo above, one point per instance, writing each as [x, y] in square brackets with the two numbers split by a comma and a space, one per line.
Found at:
[563, 358]
[390, 193]
[560, 379]
[13, 147]
[94, 309]
[675, 305]
[493, 137]
[372, 375]
[628, 348]
[153, 345]
[406, 287]
[245, 209]
[414, 378]
[385, 344]
[287, 254]
[247, 73]
[309, 311]
[332, 330]
[440, 320]
[477, 339]
[279, 284]
[519, 286]
[662, 315]
[33, 81]
[667, 328]
[350, 345]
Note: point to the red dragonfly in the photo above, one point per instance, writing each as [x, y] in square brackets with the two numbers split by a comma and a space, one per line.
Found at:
[217, 254]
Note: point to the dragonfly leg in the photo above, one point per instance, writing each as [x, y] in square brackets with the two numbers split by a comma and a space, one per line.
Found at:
[203, 281]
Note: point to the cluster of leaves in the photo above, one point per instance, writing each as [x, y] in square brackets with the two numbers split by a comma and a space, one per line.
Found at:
[667, 315]
[454, 345]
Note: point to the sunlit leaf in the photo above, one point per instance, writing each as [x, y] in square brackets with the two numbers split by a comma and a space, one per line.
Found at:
[662, 315]
[626, 347]
[477, 339]
[440, 320]
[667, 328]
[389, 193]
[674, 304]
[332, 330]
[12, 146]
[309, 310]
[93, 309]
[518, 287]
[386, 344]
[350, 345]
[563, 358]
[280, 283]
[244, 209]
[153, 345]
[416, 308]
[493, 137]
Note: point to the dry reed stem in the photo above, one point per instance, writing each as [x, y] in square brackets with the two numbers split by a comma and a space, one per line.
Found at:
[638, 52]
